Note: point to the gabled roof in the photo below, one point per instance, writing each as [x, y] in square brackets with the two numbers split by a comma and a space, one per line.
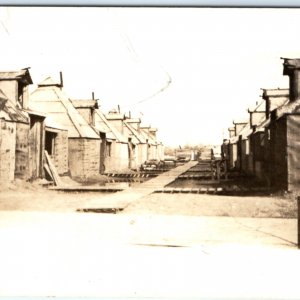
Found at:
[260, 107]
[245, 133]
[22, 75]
[261, 127]
[51, 123]
[133, 120]
[115, 115]
[276, 98]
[111, 132]
[152, 129]
[138, 137]
[275, 93]
[85, 103]
[10, 112]
[291, 107]
[49, 82]
[147, 136]
[50, 98]
[240, 121]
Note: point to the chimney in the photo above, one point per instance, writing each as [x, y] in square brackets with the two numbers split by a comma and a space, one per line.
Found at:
[291, 68]
[61, 80]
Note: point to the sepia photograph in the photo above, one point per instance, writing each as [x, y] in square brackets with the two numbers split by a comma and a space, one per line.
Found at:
[149, 152]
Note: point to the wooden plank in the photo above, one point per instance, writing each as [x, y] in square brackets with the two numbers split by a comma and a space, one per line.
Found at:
[46, 167]
[132, 194]
[53, 170]
[86, 189]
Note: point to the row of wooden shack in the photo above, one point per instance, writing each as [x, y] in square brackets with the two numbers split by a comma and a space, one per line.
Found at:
[81, 140]
[267, 145]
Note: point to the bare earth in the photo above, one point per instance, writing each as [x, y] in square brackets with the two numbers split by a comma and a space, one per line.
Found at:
[175, 245]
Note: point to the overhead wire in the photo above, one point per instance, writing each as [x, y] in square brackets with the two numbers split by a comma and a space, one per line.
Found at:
[130, 48]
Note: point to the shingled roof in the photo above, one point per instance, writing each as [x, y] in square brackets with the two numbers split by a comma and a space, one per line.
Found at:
[49, 97]
[10, 112]
[138, 138]
[111, 132]
[144, 132]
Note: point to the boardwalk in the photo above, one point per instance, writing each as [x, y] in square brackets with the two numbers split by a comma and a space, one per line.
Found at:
[121, 199]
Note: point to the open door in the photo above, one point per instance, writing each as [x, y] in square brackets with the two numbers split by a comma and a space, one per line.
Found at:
[36, 146]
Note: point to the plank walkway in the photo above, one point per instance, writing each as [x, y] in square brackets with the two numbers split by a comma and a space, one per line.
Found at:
[120, 200]
[213, 190]
[81, 188]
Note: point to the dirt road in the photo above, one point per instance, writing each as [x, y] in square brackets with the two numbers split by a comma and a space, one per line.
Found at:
[172, 246]
[92, 255]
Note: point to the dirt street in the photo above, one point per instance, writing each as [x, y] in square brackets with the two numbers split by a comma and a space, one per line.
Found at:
[172, 246]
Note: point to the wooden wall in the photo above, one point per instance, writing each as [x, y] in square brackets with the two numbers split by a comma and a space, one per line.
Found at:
[7, 150]
[119, 158]
[22, 151]
[61, 152]
[84, 157]
[278, 154]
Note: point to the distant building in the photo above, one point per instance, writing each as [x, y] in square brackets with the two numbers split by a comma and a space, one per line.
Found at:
[234, 147]
[137, 142]
[117, 150]
[257, 116]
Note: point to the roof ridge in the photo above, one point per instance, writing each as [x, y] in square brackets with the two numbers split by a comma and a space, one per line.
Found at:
[119, 136]
[134, 131]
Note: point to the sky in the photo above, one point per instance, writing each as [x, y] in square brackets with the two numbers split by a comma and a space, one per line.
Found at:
[187, 71]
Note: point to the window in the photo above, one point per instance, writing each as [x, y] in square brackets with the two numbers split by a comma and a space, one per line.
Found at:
[21, 94]
[108, 149]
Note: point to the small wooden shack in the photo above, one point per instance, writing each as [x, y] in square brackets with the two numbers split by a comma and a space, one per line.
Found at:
[257, 116]
[284, 128]
[260, 139]
[244, 162]
[87, 108]
[25, 143]
[12, 117]
[151, 142]
[137, 143]
[83, 141]
[159, 145]
[234, 146]
[116, 145]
